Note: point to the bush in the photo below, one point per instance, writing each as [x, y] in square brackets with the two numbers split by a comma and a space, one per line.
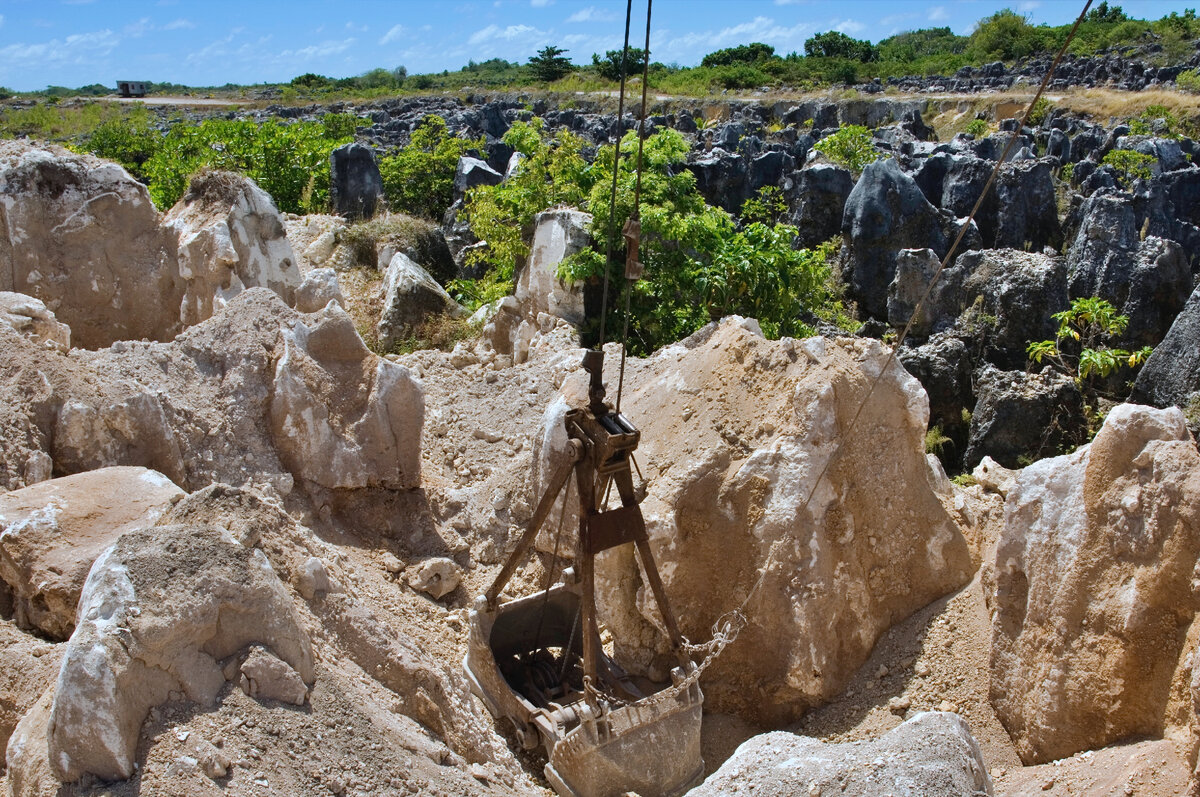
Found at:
[419, 179]
[850, 146]
[1189, 81]
[1005, 35]
[609, 67]
[1130, 165]
[978, 128]
[1087, 323]
[288, 161]
[835, 44]
[553, 172]
[742, 54]
[1155, 120]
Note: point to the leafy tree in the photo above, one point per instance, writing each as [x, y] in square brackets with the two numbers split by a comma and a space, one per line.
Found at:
[751, 54]
[130, 141]
[1106, 14]
[549, 64]
[1005, 35]
[915, 44]
[609, 67]
[419, 179]
[835, 44]
[1079, 347]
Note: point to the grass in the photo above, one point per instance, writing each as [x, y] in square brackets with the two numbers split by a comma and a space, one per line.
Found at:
[440, 332]
[365, 237]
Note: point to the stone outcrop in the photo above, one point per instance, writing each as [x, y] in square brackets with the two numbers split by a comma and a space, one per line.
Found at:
[258, 378]
[818, 195]
[52, 532]
[1021, 416]
[931, 755]
[318, 288]
[886, 212]
[1146, 278]
[1171, 375]
[341, 417]
[81, 235]
[472, 172]
[31, 318]
[230, 238]
[1091, 589]
[159, 611]
[355, 185]
[557, 234]
[733, 500]
[411, 296]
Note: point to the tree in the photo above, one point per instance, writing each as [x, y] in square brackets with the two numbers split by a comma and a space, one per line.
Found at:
[835, 44]
[752, 53]
[549, 65]
[1106, 13]
[609, 66]
[1005, 35]
[310, 80]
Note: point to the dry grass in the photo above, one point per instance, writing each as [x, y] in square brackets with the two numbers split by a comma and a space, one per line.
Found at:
[1108, 105]
[213, 187]
[365, 237]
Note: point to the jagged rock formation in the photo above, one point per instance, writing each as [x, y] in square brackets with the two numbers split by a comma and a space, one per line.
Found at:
[1021, 416]
[356, 187]
[230, 238]
[1172, 373]
[1091, 586]
[411, 296]
[81, 235]
[31, 318]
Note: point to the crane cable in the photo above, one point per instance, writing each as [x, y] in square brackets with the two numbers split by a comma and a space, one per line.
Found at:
[612, 205]
[729, 624]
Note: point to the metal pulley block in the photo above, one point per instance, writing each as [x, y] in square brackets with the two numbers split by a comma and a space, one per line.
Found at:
[633, 243]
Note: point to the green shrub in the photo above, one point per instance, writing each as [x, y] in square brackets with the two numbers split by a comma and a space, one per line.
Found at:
[767, 206]
[1153, 116]
[288, 161]
[978, 128]
[552, 172]
[1041, 109]
[419, 179]
[1088, 323]
[850, 146]
[1130, 165]
[1189, 81]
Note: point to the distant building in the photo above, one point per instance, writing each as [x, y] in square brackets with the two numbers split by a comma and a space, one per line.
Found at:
[132, 88]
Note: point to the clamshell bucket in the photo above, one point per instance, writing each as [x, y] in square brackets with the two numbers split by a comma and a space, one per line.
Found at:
[523, 662]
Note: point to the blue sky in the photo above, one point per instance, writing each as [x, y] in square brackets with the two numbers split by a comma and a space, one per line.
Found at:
[78, 42]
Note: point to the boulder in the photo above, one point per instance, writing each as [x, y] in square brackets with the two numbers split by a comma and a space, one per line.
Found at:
[816, 196]
[729, 485]
[31, 318]
[342, 418]
[1022, 416]
[355, 185]
[472, 172]
[436, 577]
[28, 666]
[264, 676]
[886, 212]
[721, 178]
[914, 270]
[230, 238]
[943, 367]
[1091, 588]
[82, 235]
[160, 609]
[52, 532]
[1147, 279]
[931, 755]
[410, 297]
[557, 234]
[318, 288]
[1171, 375]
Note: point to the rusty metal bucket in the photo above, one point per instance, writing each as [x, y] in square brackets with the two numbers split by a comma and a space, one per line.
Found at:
[523, 662]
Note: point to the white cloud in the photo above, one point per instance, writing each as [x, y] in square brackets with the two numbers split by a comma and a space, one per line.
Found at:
[495, 32]
[392, 35]
[1027, 6]
[356, 28]
[322, 50]
[540, 3]
[78, 48]
[139, 28]
[179, 24]
[849, 26]
[688, 47]
[938, 14]
[591, 14]
[1, 20]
